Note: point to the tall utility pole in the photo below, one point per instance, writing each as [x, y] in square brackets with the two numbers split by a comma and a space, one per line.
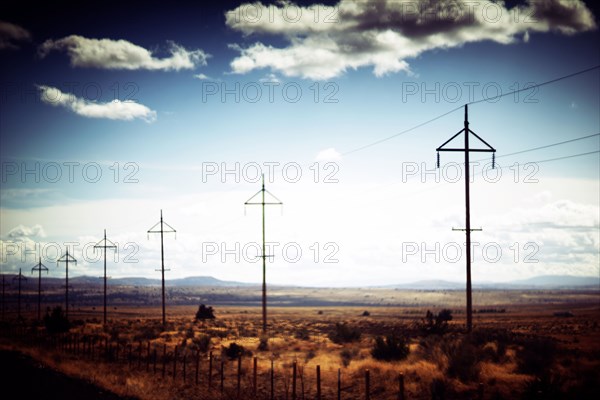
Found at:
[264, 256]
[467, 229]
[67, 258]
[105, 246]
[20, 278]
[162, 231]
[39, 267]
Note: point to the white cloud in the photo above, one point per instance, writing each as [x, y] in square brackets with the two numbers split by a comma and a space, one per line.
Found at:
[116, 109]
[11, 33]
[329, 154]
[384, 34]
[202, 77]
[21, 232]
[121, 54]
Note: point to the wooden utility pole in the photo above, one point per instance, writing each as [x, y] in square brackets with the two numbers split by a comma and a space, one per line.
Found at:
[162, 231]
[66, 258]
[39, 267]
[467, 229]
[264, 256]
[105, 246]
[19, 278]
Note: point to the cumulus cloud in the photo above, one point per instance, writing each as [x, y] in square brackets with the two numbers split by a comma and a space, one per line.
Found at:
[11, 34]
[116, 109]
[21, 232]
[383, 34]
[121, 54]
[330, 154]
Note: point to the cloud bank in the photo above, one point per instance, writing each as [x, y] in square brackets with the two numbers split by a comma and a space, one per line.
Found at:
[383, 34]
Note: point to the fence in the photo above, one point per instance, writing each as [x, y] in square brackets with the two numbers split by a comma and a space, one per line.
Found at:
[239, 378]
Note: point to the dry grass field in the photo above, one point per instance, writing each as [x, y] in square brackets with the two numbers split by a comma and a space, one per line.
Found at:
[526, 344]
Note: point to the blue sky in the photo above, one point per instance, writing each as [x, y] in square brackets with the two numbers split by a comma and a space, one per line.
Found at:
[120, 112]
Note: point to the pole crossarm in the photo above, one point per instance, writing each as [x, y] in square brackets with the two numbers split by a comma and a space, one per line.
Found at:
[39, 267]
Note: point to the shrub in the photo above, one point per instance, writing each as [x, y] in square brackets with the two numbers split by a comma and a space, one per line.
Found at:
[202, 343]
[436, 324]
[56, 321]
[346, 355]
[302, 334]
[234, 351]
[463, 359]
[205, 313]
[263, 344]
[344, 334]
[390, 348]
[366, 313]
[536, 356]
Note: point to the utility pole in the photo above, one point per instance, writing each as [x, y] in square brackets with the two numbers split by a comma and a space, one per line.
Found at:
[39, 267]
[467, 229]
[4, 285]
[105, 246]
[20, 278]
[162, 231]
[67, 258]
[264, 256]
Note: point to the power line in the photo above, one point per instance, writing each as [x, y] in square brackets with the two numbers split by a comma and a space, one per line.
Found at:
[460, 107]
[565, 157]
[403, 132]
[544, 147]
[536, 86]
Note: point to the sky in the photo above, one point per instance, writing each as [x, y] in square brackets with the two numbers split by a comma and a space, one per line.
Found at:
[111, 112]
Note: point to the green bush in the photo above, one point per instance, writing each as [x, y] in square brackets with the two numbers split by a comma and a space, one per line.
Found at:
[536, 356]
[205, 313]
[56, 321]
[344, 334]
[234, 351]
[390, 348]
[202, 342]
[436, 324]
[463, 359]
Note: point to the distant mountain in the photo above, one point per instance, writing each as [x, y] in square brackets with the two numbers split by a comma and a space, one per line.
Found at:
[559, 281]
[428, 285]
[537, 282]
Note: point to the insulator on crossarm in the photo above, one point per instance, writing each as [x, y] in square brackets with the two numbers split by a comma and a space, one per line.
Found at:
[493, 160]
[438, 160]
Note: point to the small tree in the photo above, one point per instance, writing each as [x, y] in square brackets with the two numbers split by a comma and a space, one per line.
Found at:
[205, 313]
[343, 333]
[390, 348]
[433, 323]
[56, 321]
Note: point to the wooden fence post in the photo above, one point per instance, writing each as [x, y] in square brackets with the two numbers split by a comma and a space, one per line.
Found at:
[175, 363]
[339, 390]
[197, 364]
[239, 376]
[254, 383]
[210, 362]
[318, 382]
[401, 386]
[294, 366]
[367, 385]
